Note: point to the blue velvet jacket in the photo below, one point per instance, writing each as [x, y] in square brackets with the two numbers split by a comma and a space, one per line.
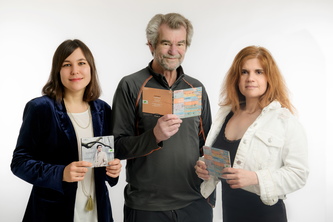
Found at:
[46, 144]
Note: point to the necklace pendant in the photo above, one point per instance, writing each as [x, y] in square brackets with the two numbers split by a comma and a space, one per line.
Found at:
[89, 204]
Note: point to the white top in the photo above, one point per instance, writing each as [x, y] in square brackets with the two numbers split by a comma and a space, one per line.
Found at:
[80, 214]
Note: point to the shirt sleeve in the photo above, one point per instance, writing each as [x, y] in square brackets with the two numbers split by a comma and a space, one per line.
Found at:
[275, 184]
[206, 118]
[127, 143]
[25, 163]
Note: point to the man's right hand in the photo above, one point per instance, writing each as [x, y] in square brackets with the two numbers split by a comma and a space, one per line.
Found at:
[201, 170]
[166, 126]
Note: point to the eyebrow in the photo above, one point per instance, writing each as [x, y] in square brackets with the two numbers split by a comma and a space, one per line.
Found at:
[254, 70]
[182, 41]
[82, 59]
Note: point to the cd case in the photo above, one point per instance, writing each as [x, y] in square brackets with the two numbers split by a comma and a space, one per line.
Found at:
[216, 160]
[184, 102]
[98, 150]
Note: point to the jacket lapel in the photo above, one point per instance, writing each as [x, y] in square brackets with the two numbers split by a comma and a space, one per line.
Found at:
[65, 123]
[96, 115]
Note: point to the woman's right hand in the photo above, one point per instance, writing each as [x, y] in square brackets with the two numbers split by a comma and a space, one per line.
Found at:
[75, 171]
[201, 170]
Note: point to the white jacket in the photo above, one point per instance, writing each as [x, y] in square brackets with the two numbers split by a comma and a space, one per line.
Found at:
[274, 146]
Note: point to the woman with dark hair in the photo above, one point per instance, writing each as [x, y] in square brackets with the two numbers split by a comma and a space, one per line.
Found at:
[267, 144]
[48, 150]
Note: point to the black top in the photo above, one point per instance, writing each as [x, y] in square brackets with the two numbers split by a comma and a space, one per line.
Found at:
[239, 205]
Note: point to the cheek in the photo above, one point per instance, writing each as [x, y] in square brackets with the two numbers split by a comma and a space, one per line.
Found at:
[182, 50]
[264, 85]
[241, 84]
[88, 76]
[87, 72]
[182, 56]
[62, 77]
[157, 51]
[241, 88]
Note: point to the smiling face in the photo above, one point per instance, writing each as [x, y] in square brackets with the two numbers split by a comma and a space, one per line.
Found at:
[75, 73]
[253, 82]
[170, 49]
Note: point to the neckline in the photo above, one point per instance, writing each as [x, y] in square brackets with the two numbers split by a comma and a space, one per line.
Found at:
[87, 112]
[227, 118]
[81, 113]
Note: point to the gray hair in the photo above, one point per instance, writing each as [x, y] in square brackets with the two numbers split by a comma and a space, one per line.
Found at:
[174, 21]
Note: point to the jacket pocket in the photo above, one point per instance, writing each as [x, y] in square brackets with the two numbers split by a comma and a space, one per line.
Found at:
[269, 139]
[268, 148]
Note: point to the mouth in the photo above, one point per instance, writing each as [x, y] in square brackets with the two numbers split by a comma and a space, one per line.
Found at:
[251, 87]
[172, 57]
[75, 79]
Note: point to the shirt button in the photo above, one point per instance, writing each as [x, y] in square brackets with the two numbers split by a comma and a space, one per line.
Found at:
[270, 140]
[239, 162]
[244, 141]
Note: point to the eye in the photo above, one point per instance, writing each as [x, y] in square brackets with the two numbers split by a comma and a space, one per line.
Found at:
[165, 43]
[82, 63]
[66, 65]
[260, 72]
[243, 72]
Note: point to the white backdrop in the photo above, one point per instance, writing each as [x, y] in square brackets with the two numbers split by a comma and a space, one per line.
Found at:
[299, 34]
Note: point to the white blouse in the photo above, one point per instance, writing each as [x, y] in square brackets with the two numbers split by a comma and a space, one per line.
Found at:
[88, 184]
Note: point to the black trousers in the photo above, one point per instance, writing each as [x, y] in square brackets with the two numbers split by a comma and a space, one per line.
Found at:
[197, 211]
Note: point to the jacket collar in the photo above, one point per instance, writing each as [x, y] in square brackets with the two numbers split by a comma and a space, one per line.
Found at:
[65, 122]
[221, 115]
[273, 105]
[161, 79]
[97, 114]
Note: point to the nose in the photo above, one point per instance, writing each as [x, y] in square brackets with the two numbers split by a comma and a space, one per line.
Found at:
[75, 70]
[172, 50]
[250, 77]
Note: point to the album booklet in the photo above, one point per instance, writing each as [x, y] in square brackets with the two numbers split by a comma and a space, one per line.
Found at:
[98, 150]
[183, 103]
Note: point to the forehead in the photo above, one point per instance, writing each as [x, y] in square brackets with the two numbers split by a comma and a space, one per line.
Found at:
[76, 55]
[169, 34]
[252, 64]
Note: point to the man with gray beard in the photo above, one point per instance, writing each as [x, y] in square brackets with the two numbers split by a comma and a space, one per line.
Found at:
[161, 151]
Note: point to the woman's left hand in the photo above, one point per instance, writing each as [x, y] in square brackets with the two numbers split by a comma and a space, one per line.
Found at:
[239, 178]
[113, 169]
